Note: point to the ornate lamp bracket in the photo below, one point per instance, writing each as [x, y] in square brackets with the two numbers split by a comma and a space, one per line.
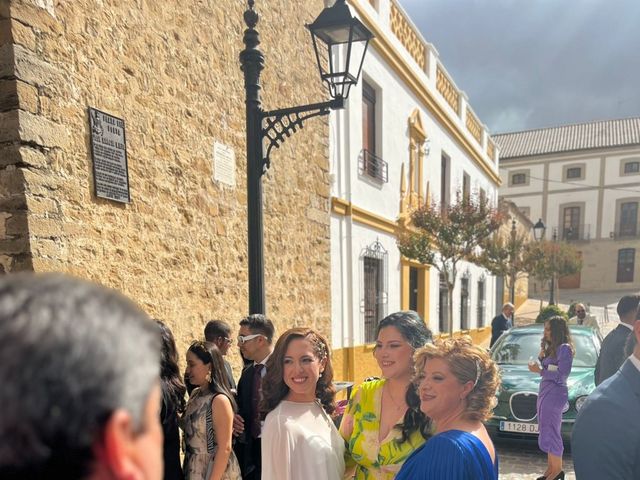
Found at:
[278, 125]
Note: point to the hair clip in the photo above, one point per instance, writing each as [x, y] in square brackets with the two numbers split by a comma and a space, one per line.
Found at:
[478, 372]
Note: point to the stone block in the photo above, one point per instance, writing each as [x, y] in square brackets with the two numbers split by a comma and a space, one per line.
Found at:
[7, 60]
[23, 35]
[37, 129]
[27, 97]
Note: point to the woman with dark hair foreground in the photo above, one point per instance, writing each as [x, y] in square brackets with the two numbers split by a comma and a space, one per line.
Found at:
[299, 439]
[457, 382]
[208, 419]
[383, 423]
[173, 391]
[556, 360]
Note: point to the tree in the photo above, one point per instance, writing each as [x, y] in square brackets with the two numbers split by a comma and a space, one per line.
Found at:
[503, 254]
[445, 235]
[546, 260]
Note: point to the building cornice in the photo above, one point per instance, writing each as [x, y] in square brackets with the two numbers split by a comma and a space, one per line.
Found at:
[388, 52]
[360, 215]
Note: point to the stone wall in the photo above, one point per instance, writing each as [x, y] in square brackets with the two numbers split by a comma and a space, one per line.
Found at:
[171, 71]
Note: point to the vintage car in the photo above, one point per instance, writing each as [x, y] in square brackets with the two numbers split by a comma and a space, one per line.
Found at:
[515, 414]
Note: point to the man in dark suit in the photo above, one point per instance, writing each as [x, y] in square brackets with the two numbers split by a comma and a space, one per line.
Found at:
[219, 333]
[612, 351]
[256, 344]
[605, 442]
[501, 323]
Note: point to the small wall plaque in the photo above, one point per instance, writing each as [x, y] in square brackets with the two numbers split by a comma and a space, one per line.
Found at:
[109, 154]
[224, 164]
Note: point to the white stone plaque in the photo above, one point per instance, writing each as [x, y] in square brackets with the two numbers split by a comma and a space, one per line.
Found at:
[224, 164]
[109, 152]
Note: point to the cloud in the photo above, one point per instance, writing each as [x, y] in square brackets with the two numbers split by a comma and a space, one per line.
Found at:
[535, 63]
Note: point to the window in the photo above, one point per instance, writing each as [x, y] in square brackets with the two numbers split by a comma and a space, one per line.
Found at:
[466, 186]
[519, 179]
[631, 167]
[571, 223]
[628, 219]
[368, 118]
[443, 306]
[574, 173]
[464, 303]
[482, 195]
[444, 181]
[374, 291]
[481, 302]
[626, 265]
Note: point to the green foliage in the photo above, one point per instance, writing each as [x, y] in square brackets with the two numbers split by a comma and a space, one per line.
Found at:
[503, 254]
[551, 311]
[545, 259]
[444, 235]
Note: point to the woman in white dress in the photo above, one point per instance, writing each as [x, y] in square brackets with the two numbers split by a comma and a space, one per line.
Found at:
[299, 438]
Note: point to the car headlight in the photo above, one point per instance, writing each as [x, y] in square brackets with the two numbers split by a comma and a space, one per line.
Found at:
[580, 402]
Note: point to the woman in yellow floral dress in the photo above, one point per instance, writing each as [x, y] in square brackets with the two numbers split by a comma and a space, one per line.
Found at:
[383, 423]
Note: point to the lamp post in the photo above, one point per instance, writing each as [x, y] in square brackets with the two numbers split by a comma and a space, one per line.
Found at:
[512, 280]
[553, 274]
[337, 30]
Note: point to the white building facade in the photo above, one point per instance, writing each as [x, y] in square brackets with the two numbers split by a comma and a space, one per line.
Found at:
[583, 181]
[407, 134]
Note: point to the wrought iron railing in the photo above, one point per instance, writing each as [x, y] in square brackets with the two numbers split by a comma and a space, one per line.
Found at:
[576, 233]
[373, 166]
[626, 230]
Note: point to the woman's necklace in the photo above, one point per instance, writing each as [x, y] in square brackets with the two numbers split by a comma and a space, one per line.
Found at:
[393, 400]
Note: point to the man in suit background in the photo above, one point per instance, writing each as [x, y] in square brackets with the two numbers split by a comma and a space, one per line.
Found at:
[219, 333]
[606, 436]
[501, 323]
[612, 351]
[583, 318]
[256, 344]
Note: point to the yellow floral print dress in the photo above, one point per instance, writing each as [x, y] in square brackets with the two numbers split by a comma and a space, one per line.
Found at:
[374, 460]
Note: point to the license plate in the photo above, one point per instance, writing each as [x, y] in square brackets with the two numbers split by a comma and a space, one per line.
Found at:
[518, 427]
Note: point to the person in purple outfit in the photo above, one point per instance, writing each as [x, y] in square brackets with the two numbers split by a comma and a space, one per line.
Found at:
[556, 359]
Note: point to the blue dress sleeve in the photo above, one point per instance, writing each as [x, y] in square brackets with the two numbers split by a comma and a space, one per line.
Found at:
[439, 458]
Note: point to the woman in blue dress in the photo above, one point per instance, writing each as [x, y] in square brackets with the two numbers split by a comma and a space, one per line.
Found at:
[556, 360]
[457, 383]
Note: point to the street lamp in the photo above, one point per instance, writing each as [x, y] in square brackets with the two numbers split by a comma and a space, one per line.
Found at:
[539, 230]
[512, 280]
[335, 29]
[553, 274]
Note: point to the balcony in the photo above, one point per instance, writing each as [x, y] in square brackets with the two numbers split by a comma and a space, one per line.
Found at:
[626, 231]
[576, 233]
[372, 166]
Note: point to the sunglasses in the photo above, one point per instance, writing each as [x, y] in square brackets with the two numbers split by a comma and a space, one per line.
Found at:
[247, 338]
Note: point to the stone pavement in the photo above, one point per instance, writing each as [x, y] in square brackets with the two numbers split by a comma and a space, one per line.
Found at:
[523, 461]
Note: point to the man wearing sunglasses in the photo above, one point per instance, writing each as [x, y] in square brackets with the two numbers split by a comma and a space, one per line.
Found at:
[255, 340]
[218, 332]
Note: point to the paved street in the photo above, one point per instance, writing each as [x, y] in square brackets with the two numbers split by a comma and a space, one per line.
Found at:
[523, 461]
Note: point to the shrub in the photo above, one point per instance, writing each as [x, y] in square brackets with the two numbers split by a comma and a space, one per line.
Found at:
[551, 311]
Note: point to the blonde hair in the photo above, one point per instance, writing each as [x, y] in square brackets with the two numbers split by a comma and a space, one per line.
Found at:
[468, 363]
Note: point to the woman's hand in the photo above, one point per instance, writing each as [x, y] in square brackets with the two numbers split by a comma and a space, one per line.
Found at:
[534, 367]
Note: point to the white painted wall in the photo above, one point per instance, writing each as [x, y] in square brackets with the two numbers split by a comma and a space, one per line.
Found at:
[395, 104]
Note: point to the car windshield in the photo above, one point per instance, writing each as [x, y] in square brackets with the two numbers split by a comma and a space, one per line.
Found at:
[516, 348]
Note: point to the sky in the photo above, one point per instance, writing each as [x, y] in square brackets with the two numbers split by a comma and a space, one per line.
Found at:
[527, 64]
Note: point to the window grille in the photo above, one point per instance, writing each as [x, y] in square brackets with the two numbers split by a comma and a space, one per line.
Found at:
[373, 166]
[374, 287]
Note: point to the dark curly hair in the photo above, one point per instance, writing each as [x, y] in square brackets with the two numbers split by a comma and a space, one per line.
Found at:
[172, 385]
[413, 329]
[274, 389]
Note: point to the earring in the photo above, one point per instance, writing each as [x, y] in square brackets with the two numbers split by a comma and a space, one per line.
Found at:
[208, 377]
